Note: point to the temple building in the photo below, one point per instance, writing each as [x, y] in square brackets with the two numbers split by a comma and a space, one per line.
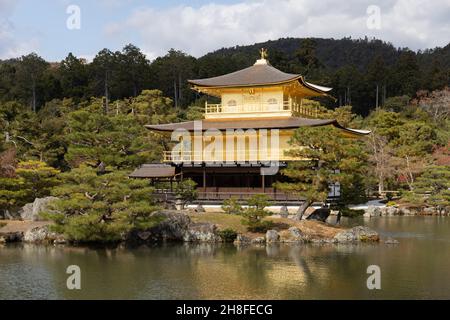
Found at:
[240, 147]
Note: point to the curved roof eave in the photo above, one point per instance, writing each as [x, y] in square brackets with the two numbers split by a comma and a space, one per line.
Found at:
[284, 123]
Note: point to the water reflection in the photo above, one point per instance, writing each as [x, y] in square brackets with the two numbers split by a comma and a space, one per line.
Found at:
[416, 268]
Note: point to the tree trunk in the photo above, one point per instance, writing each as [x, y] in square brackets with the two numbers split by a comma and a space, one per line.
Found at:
[175, 93]
[380, 184]
[106, 93]
[301, 211]
[376, 100]
[180, 96]
[33, 103]
[410, 176]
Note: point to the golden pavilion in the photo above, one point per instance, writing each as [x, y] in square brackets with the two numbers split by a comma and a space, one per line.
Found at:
[242, 142]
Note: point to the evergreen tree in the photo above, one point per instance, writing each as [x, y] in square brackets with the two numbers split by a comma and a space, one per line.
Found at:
[307, 57]
[434, 186]
[73, 77]
[332, 159]
[30, 71]
[102, 68]
[134, 71]
[97, 207]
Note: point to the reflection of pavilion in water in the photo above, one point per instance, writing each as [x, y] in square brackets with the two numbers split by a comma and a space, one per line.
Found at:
[204, 271]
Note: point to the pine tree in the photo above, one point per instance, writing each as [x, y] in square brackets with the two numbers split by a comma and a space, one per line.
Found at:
[329, 158]
[96, 207]
[434, 187]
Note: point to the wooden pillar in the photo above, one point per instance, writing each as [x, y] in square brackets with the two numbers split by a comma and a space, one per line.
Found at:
[204, 179]
[247, 181]
[214, 181]
[263, 181]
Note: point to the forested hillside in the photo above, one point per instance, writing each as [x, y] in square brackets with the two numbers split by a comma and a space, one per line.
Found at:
[356, 69]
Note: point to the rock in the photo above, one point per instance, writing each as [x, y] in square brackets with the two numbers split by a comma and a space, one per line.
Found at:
[179, 204]
[9, 237]
[41, 234]
[259, 240]
[60, 240]
[406, 211]
[32, 211]
[323, 241]
[284, 212]
[241, 239]
[359, 233]
[293, 235]
[200, 209]
[372, 211]
[320, 214]
[447, 210]
[365, 234]
[345, 236]
[429, 211]
[144, 235]
[295, 232]
[272, 236]
[6, 214]
[202, 232]
[173, 227]
[391, 241]
[392, 211]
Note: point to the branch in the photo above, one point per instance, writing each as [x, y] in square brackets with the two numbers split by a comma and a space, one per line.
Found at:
[24, 139]
[89, 196]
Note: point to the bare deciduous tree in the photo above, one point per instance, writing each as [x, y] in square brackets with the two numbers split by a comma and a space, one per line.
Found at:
[436, 103]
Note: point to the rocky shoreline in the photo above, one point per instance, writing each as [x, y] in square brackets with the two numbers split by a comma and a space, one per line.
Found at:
[389, 211]
[178, 227]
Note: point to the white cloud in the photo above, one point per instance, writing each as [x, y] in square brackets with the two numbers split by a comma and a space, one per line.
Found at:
[417, 24]
[9, 46]
[7, 7]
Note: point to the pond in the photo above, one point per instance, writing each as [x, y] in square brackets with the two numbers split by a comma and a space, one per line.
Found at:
[416, 268]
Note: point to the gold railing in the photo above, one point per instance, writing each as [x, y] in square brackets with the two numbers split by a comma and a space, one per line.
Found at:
[305, 111]
[309, 111]
[238, 156]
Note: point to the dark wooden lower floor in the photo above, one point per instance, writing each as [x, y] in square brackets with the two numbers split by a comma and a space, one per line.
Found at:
[215, 184]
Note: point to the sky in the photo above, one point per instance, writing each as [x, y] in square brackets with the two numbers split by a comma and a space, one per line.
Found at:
[53, 28]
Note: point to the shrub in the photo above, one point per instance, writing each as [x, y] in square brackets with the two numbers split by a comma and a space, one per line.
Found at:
[232, 206]
[228, 235]
[255, 213]
[186, 191]
[389, 196]
[100, 208]
[391, 203]
[259, 226]
[258, 201]
[351, 213]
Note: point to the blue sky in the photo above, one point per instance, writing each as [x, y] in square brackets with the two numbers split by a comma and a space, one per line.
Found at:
[201, 26]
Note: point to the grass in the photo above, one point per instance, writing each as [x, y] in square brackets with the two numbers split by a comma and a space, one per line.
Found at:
[230, 221]
[222, 220]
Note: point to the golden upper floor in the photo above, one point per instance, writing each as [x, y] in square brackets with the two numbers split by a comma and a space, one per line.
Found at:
[258, 91]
